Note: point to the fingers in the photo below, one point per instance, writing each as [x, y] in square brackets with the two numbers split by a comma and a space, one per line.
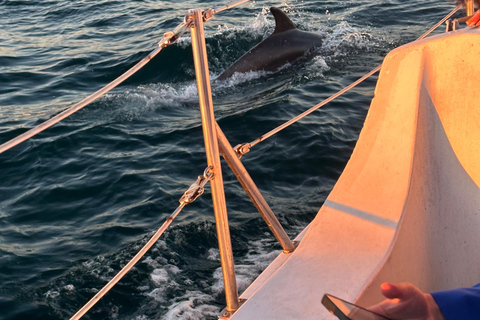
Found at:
[393, 293]
[390, 291]
[401, 291]
[404, 301]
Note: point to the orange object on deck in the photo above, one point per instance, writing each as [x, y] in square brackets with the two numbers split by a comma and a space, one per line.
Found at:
[475, 20]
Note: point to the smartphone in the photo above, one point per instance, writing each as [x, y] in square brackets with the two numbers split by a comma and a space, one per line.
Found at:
[348, 311]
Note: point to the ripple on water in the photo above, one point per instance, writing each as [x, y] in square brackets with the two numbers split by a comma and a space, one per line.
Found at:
[79, 200]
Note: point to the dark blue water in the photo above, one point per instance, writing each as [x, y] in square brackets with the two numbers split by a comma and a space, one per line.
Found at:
[79, 200]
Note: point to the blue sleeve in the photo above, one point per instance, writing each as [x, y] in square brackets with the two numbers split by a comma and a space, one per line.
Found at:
[459, 304]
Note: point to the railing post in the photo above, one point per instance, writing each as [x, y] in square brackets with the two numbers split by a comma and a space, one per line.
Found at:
[470, 6]
[213, 159]
[249, 186]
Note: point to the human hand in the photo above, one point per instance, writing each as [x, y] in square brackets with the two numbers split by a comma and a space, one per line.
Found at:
[407, 302]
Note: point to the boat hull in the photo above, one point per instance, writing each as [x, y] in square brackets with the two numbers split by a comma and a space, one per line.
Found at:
[407, 206]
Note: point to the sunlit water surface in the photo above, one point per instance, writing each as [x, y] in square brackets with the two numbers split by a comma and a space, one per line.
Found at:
[79, 200]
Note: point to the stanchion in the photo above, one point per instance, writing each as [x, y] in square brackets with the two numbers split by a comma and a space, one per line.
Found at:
[213, 159]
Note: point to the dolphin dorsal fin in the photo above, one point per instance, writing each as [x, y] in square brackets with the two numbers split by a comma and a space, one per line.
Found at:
[282, 22]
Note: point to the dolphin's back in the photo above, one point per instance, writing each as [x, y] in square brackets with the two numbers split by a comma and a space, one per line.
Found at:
[285, 45]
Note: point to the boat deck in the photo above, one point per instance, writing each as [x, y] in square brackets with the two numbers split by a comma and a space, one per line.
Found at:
[407, 206]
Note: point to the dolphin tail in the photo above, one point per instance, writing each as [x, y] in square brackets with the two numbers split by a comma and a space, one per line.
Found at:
[282, 22]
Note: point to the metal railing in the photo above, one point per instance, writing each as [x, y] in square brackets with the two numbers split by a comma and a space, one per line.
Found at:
[212, 133]
[213, 159]
[470, 7]
[192, 193]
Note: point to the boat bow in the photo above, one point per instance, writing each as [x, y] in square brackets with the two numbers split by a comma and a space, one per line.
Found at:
[407, 206]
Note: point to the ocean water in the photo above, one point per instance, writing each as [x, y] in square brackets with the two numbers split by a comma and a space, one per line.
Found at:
[79, 200]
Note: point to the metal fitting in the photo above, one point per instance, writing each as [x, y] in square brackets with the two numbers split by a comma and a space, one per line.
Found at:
[197, 188]
[208, 14]
[242, 149]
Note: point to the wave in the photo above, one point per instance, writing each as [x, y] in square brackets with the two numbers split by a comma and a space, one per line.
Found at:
[123, 134]
[342, 41]
[170, 282]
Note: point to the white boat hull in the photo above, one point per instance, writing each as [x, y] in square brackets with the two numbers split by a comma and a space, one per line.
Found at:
[407, 206]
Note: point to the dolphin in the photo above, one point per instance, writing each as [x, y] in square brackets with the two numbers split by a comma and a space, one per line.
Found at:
[285, 45]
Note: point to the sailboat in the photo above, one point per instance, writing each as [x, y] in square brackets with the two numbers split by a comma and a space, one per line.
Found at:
[406, 207]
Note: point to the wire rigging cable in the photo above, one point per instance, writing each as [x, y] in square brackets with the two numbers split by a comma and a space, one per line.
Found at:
[244, 148]
[197, 188]
[168, 38]
[193, 192]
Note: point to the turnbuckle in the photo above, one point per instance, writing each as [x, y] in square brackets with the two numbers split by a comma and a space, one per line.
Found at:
[172, 36]
[198, 187]
[189, 20]
[241, 149]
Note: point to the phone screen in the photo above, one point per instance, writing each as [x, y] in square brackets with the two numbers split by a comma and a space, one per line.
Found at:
[348, 311]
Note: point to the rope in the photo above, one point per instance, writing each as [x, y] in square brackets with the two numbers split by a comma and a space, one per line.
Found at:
[448, 16]
[230, 6]
[193, 192]
[244, 148]
[169, 38]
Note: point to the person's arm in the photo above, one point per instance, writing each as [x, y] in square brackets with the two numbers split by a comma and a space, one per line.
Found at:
[460, 303]
[405, 301]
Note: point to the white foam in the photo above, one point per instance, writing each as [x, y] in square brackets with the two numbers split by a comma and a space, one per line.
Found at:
[238, 78]
[52, 294]
[154, 263]
[165, 285]
[100, 268]
[160, 245]
[202, 303]
[161, 276]
[192, 305]
[343, 36]
[318, 67]
[69, 287]
[143, 288]
[256, 260]
[213, 254]
[150, 96]
[134, 103]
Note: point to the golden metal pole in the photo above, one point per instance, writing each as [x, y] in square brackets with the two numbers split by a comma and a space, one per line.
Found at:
[470, 6]
[251, 188]
[213, 159]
